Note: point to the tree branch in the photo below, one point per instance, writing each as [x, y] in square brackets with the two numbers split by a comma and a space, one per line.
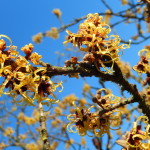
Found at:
[88, 70]
[43, 131]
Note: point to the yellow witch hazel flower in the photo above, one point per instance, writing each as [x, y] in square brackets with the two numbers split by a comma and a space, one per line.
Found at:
[107, 100]
[143, 65]
[83, 121]
[136, 138]
[23, 79]
[92, 37]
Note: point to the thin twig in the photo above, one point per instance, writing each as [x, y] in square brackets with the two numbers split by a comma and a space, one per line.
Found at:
[107, 6]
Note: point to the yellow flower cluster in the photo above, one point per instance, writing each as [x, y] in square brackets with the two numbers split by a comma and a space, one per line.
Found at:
[56, 123]
[32, 146]
[22, 136]
[8, 131]
[124, 2]
[57, 12]
[135, 139]
[2, 145]
[54, 145]
[53, 33]
[92, 37]
[83, 120]
[29, 120]
[37, 38]
[22, 78]
[107, 100]
[143, 65]
[58, 111]
[83, 141]
[68, 143]
[86, 88]
[107, 16]
[67, 101]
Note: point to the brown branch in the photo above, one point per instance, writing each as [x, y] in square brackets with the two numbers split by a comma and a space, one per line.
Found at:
[132, 89]
[61, 29]
[88, 70]
[71, 24]
[122, 103]
[139, 42]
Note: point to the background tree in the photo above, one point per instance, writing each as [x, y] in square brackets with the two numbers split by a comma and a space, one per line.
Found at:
[36, 116]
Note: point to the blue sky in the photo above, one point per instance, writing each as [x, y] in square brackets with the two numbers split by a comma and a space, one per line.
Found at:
[21, 19]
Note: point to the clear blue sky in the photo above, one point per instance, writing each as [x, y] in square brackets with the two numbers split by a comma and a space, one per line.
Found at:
[21, 19]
